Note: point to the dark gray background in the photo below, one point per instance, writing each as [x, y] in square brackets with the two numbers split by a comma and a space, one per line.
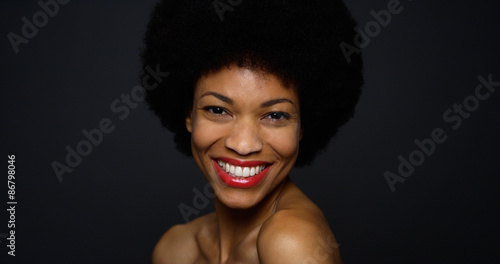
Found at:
[116, 204]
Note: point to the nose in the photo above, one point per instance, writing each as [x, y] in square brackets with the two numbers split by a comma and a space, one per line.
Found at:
[244, 138]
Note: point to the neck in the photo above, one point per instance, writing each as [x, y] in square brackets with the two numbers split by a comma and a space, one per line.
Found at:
[236, 224]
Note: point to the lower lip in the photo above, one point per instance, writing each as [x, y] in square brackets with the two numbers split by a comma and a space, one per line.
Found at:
[240, 182]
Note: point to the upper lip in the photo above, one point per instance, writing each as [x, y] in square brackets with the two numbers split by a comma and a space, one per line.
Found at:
[242, 163]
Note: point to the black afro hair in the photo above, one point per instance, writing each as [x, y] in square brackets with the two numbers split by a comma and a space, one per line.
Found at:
[297, 41]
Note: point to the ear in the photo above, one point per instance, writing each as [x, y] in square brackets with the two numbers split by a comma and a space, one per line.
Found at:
[189, 122]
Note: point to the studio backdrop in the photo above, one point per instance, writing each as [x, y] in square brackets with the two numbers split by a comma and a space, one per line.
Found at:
[91, 176]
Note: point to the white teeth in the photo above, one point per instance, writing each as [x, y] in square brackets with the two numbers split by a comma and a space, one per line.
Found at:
[239, 171]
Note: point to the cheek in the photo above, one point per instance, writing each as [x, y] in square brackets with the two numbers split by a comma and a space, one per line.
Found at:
[204, 134]
[285, 142]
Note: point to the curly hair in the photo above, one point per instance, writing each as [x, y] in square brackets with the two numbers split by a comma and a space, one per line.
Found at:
[297, 41]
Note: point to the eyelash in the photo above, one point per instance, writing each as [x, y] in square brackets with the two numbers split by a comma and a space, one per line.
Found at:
[274, 116]
[281, 115]
[213, 109]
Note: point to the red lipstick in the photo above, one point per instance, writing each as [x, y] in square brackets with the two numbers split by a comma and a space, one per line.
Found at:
[240, 182]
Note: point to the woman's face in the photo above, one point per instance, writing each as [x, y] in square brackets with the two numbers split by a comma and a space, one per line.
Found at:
[245, 133]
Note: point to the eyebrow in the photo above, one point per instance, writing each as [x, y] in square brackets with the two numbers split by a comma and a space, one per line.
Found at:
[219, 96]
[275, 101]
[263, 105]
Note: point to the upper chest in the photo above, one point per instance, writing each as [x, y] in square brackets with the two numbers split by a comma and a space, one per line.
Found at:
[243, 252]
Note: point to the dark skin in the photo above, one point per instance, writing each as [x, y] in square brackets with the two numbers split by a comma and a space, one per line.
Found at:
[247, 115]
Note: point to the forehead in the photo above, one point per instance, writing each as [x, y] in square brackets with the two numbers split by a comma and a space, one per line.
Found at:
[243, 83]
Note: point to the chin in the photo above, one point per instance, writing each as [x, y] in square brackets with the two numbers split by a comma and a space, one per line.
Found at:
[237, 198]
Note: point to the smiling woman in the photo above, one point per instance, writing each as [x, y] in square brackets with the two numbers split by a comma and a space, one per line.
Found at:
[244, 123]
[243, 97]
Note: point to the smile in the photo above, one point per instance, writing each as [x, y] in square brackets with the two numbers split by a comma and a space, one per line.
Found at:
[241, 174]
[240, 171]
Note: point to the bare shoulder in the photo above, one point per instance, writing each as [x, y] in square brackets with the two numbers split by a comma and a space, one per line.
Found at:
[299, 234]
[173, 245]
[179, 243]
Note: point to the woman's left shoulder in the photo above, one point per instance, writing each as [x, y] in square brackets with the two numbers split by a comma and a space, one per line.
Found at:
[297, 233]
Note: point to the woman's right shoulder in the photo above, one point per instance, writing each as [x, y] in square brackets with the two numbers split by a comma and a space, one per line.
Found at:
[179, 243]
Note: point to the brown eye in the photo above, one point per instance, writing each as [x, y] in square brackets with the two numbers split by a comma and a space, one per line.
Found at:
[215, 110]
[278, 115]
